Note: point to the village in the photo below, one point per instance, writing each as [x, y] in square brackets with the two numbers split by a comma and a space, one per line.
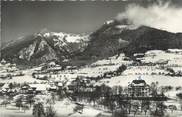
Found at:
[138, 98]
[101, 88]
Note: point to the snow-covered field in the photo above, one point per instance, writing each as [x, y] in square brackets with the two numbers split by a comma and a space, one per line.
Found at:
[144, 70]
[125, 80]
[14, 112]
[151, 73]
[102, 66]
[21, 79]
[172, 56]
[66, 108]
[63, 108]
[148, 73]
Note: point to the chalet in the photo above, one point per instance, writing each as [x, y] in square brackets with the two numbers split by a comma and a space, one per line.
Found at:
[51, 67]
[3, 62]
[5, 75]
[5, 87]
[40, 76]
[55, 68]
[89, 89]
[52, 87]
[138, 88]
[24, 89]
[60, 85]
[71, 68]
[33, 88]
[81, 85]
[38, 88]
[74, 86]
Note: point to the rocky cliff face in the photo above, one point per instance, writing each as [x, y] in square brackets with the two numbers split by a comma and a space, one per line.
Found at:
[44, 46]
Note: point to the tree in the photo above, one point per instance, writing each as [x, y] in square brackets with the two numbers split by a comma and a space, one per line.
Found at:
[19, 101]
[38, 110]
[11, 85]
[53, 97]
[171, 71]
[5, 102]
[145, 106]
[136, 106]
[120, 89]
[179, 95]
[119, 113]
[121, 69]
[172, 108]
[60, 93]
[159, 110]
[25, 107]
[78, 108]
[50, 111]
[33, 75]
[30, 99]
[154, 88]
[124, 106]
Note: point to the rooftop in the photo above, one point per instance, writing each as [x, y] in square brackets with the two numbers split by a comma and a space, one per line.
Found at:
[138, 81]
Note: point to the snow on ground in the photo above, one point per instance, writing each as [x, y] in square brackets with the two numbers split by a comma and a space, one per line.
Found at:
[102, 66]
[177, 69]
[69, 37]
[63, 108]
[143, 70]
[172, 93]
[87, 112]
[173, 102]
[14, 113]
[125, 80]
[66, 108]
[113, 60]
[159, 56]
[96, 71]
[175, 51]
[21, 79]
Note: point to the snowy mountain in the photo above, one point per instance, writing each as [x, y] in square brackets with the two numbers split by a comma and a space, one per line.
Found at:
[112, 38]
[44, 46]
[116, 37]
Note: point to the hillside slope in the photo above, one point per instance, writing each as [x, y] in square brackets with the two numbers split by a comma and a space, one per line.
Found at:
[115, 37]
[44, 46]
[112, 38]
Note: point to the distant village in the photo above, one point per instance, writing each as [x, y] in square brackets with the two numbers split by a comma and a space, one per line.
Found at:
[8, 70]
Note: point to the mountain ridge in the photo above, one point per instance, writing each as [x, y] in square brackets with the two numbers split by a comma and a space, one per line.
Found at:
[113, 37]
[36, 46]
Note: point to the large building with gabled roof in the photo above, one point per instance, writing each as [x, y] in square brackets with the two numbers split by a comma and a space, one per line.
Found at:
[138, 88]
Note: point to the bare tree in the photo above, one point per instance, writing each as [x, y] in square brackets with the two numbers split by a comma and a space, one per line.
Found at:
[38, 110]
[50, 111]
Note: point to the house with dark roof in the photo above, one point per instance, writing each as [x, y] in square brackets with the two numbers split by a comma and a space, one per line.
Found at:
[138, 88]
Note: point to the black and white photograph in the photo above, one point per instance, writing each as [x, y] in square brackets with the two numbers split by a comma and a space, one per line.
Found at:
[91, 58]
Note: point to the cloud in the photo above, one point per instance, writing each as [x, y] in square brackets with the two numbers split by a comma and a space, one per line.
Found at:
[161, 16]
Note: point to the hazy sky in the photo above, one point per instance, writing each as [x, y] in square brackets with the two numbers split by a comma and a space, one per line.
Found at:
[22, 18]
